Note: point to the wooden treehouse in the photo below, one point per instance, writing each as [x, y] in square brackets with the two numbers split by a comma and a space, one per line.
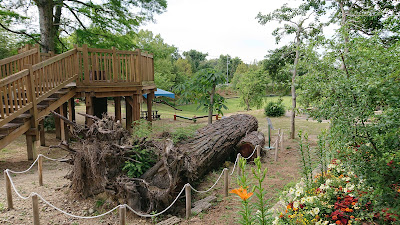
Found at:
[33, 84]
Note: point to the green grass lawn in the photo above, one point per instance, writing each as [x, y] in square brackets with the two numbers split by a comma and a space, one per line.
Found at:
[191, 110]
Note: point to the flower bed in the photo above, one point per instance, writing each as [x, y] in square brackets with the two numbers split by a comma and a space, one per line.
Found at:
[336, 197]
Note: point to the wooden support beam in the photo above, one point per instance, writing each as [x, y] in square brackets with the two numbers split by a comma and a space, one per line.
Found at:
[31, 147]
[57, 124]
[128, 113]
[62, 124]
[117, 105]
[71, 109]
[85, 56]
[89, 108]
[150, 98]
[42, 133]
[65, 114]
[136, 107]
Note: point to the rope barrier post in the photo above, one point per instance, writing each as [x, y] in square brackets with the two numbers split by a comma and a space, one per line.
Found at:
[258, 149]
[8, 190]
[282, 141]
[122, 215]
[40, 170]
[188, 200]
[226, 182]
[238, 167]
[35, 205]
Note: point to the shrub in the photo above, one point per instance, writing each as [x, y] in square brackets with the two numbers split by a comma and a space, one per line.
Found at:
[275, 109]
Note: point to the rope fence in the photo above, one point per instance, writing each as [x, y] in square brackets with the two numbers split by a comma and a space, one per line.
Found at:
[122, 207]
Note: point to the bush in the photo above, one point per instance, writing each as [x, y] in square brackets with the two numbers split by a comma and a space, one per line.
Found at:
[275, 109]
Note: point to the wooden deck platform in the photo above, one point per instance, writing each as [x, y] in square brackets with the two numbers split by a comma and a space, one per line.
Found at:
[33, 84]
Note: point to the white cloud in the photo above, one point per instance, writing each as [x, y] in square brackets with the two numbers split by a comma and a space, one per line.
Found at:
[218, 27]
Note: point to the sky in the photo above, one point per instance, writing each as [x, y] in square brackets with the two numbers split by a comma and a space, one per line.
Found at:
[219, 27]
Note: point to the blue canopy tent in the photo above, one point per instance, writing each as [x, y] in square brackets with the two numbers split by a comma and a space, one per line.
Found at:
[161, 92]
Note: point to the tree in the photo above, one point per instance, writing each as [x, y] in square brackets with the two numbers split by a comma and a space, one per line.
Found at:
[201, 90]
[195, 58]
[295, 22]
[58, 16]
[251, 87]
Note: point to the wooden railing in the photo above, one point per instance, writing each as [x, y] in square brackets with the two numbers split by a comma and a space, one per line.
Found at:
[22, 91]
[111, 67]
[15, 64]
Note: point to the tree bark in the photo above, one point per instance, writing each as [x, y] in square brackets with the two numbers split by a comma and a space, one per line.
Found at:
[249, 142]
[211, 107]
[106, 145]
[293, 88]
[46, 23]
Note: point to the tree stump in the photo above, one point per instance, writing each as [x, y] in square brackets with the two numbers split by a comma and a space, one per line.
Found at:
[248, 143]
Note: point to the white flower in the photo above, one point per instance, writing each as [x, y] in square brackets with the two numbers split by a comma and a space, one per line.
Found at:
[315, 211]
[328, 182]
[296, 204]
[344, 190]
[323, 187]
[275, 222]
[331, 166]
[303, 200]
[291, 191]
[346, 178]
[350, 186]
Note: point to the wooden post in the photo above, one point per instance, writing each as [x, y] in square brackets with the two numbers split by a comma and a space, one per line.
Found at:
[40, 170]
[85, 56]
[39, 59]
[89, 108]
[188, 200]
[33, 132]
[117, 105]
[62, 124]
[138, 66]
[128, 114]
[282, 141]
[115, 64]
[57, 124]
[71, 109]
[136, 107]
[42, 137]
[150, 97]
[35, 206]
[226, 182]
[258, 149]
[122, 215]
[65, 114]
[8, 190]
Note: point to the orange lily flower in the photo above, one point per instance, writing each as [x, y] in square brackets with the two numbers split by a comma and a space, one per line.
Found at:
[242, 193]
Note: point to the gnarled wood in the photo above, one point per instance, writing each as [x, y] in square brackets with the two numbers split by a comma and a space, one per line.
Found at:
[248, 143]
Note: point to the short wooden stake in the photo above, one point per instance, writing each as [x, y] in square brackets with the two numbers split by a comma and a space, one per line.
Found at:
[258, 149]
[8, 190]
[122, 215]
[282, 148]
[226, 182]
[40, 170]
[188, 200]
[35, 205]
[238, 167]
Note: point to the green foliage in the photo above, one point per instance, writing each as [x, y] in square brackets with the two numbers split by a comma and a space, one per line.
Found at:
[195, 58]
[183, 133]
[251, 88]
[304, 148]
[49, 123]
[260, 192]
[141, 129]
[139, 162]
[275, 109]
[202, 90]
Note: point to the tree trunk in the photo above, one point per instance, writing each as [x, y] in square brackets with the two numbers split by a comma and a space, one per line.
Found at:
[249, 142]
[211, 107]
[293, 88]
[106, 146]
[47, 29]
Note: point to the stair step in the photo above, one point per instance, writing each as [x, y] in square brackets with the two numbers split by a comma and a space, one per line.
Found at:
[22, 118]
[9, 127]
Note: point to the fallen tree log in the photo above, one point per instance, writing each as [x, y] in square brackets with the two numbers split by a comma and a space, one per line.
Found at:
[99, 156]
[248, 143]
